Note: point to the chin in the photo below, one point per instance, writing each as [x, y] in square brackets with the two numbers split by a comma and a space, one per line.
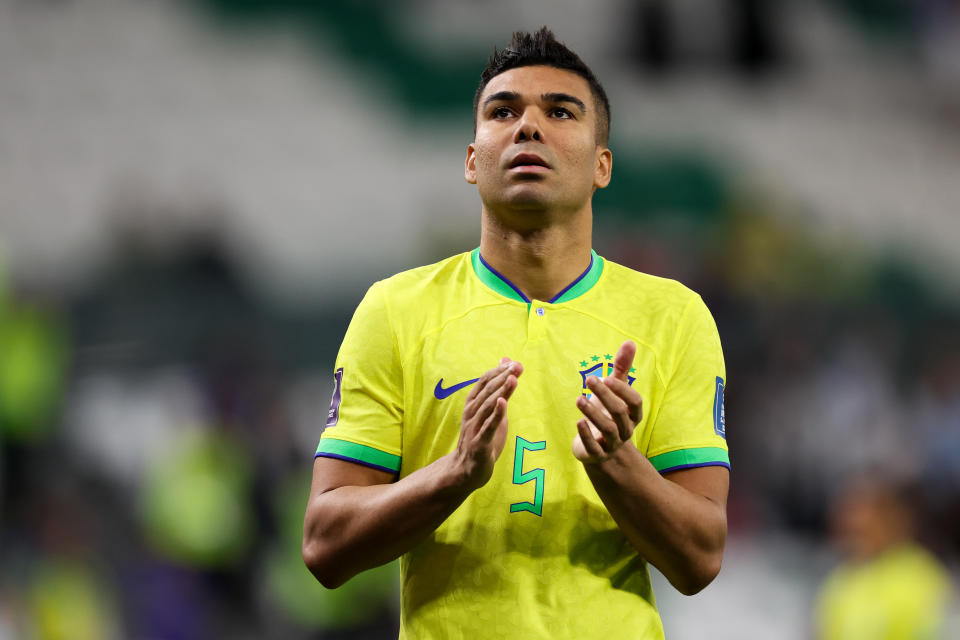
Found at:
[528, 204]
[528, 197]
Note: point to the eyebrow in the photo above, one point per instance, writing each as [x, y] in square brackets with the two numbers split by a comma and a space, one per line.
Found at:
[564, 97]
[504, 96]
[513, 96]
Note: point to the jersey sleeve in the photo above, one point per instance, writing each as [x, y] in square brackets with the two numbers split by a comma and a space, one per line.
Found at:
[365, 421]
[690, 425]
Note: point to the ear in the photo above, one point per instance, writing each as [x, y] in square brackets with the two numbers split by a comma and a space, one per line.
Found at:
[470, 166]
[604, 168]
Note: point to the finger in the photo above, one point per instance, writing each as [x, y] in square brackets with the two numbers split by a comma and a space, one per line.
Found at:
[615, 406]
[484, 379]
[489, 428]
[489, 374]
[500, 374]
[624, 360]
[629, 395]
[482, 410]
[590, 444]
[595, 414]
[494, 408]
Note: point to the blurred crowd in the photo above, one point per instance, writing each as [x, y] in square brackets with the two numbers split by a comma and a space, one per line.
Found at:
[158, 420]
[834, 370]
[158, 426]
[156, 460]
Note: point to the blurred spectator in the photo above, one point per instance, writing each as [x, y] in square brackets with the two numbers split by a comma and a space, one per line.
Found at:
[888, 587]
[68, 601]
[33, 362]
[196, 507]
[365, 607]
[936, 415]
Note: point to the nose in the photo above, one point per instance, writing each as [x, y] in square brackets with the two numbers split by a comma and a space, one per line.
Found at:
[528, 127]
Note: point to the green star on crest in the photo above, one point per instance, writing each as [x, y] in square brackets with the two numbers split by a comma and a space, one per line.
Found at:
[583, 363]
[595, 358]
[633, 370]
[607, 356]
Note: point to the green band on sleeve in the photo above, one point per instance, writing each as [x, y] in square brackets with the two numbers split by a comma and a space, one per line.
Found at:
[686, 458]
[353, 452]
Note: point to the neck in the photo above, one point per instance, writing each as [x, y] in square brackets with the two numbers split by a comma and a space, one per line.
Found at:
[539, 261]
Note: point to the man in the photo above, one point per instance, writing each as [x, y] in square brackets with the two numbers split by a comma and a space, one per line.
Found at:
[468, 475]
[888, 587]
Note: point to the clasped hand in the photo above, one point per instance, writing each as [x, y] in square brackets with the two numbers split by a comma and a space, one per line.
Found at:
[611, 413]
[609, 417]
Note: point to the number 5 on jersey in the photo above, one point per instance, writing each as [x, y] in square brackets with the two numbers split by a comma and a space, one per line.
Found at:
[534, 475]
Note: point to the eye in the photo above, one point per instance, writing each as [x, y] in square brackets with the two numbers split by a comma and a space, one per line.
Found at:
[560, 112]
[500, 112]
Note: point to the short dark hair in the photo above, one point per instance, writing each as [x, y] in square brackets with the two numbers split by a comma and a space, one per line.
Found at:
[542, 48]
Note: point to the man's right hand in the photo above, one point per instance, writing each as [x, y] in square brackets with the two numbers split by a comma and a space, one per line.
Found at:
[483, 429]
[358, 517]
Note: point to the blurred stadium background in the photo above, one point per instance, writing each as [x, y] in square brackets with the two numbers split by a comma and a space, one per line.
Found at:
[195, 194]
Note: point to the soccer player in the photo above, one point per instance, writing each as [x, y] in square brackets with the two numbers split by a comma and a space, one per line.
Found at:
[888, 587]
[526, 498]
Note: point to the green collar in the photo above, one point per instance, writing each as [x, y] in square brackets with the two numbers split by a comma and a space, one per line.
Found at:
[499, 283]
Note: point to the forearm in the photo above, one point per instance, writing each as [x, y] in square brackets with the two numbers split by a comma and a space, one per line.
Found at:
[680, 532]
[357, 518]
[353, 528]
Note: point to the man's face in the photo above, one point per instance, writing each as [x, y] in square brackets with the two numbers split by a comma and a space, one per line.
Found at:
[536, 146]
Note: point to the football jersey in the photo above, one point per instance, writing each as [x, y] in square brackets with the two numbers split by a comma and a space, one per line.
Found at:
[902, 593]
[533, 553]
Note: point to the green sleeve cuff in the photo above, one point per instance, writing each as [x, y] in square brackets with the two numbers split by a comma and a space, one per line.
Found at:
[689, 458]
[359, 453]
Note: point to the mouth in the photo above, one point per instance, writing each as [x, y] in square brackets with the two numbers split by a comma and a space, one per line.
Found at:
[528, 162]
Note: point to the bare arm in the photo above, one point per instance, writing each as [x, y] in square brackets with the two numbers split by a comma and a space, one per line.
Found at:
[677, 522]
[356, 518]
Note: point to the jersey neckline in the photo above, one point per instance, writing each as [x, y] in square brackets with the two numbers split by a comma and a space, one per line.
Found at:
[499, 283]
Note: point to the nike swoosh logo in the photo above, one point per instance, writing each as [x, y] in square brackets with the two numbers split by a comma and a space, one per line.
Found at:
[440, 393]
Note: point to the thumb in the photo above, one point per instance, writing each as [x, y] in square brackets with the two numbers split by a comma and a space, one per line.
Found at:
[624, 360]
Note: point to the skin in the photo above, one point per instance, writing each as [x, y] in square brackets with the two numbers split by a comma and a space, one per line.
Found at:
[536, 230]
[868, 518]
[537, 225]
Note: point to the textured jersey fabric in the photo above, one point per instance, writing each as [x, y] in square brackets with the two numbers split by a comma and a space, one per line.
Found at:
[534, 553]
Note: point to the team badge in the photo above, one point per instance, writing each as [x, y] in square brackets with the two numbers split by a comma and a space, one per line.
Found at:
[599, 366]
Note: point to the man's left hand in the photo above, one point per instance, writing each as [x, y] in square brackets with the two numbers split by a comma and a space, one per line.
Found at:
[611, 413]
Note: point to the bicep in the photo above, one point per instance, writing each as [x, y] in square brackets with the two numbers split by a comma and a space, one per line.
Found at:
[330, 473]
[712, 482]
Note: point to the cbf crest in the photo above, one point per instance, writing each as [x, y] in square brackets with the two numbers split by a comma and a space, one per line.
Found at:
[599, 366]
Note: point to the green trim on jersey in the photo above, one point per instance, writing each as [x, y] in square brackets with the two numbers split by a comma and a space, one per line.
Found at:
[496, 282]
[586, 282]
[359, 453]
[700, 457]
[491, 279]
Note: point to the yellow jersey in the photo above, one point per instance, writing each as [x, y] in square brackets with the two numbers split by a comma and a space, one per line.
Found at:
[902, 594]
[533, 553]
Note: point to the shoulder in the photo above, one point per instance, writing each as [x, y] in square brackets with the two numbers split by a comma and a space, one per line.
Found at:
[653, 296]
[413, 300]
[409, 286]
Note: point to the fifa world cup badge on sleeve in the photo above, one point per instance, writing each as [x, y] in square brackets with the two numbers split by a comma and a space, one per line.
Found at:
[334, 414]
[719, 417]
